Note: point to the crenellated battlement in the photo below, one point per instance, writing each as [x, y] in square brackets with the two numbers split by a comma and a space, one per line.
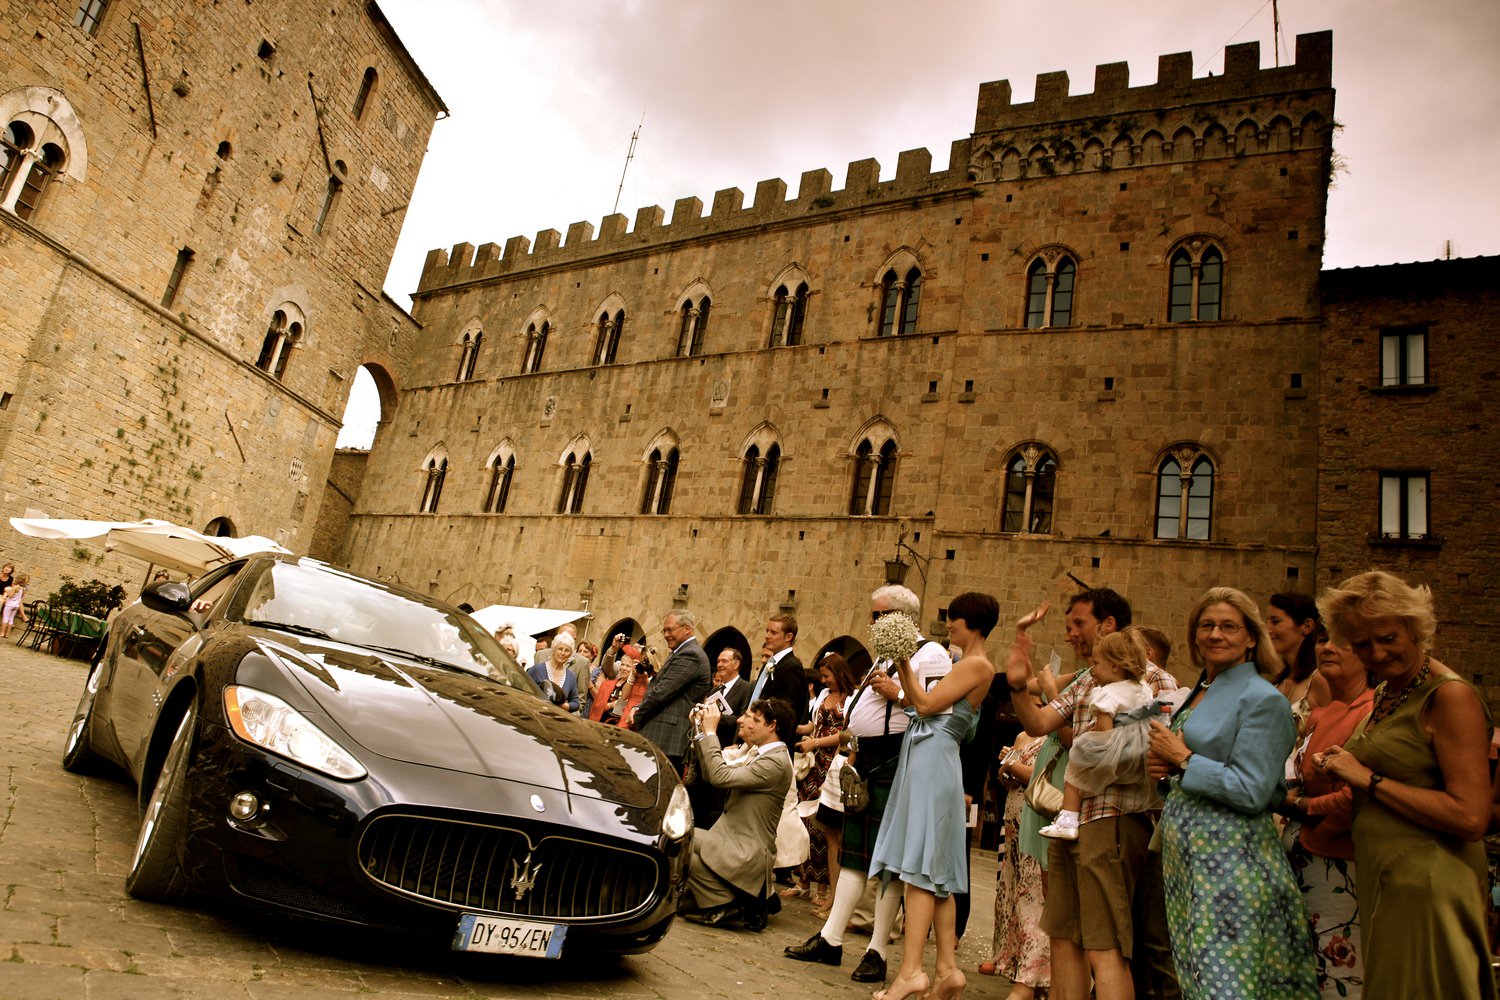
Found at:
[727, 213]
[1178, 118]
[1175, 87]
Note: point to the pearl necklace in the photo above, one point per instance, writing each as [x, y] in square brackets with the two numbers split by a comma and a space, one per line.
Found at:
[1385, 705]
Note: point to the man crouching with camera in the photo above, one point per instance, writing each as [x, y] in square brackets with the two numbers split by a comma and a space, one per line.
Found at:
[730, 875]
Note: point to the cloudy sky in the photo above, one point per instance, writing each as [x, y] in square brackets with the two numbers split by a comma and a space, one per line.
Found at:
[544, 95]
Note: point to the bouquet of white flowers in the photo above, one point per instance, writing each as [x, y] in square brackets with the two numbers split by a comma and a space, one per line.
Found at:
[894, 636]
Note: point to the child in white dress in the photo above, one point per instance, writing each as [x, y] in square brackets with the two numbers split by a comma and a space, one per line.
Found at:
[1114, 750]
[14, 595]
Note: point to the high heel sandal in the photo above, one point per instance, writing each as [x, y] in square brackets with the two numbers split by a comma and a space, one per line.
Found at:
[917, 987]
[950, 987]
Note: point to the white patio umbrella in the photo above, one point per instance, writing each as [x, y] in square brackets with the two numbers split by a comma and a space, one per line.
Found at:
[528, 622]
[160, 543]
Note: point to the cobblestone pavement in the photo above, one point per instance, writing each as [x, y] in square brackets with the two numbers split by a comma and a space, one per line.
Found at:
[68, 930]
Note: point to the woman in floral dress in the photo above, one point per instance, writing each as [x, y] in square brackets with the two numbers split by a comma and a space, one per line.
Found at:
[1321, 809]
[1021, 949]
[1239, 927]
[822, 741]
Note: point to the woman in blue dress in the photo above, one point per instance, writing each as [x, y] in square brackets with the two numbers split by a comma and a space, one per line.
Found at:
[923, 833]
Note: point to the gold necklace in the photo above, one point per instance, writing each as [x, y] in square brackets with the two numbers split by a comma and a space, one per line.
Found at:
[1385, 705]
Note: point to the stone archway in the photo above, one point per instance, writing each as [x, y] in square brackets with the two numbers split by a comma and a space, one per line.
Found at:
[851, 649]
[729, 637]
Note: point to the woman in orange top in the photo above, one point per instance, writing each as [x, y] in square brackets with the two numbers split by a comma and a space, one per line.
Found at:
[1321, 809]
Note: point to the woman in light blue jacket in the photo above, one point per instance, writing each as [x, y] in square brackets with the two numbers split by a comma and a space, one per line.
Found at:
[1239, 928]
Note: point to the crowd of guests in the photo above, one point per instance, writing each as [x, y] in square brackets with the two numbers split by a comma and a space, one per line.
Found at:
[1304, 820]
[1308, 823]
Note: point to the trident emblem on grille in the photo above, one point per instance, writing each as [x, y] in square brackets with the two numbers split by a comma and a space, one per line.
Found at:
[523, 876]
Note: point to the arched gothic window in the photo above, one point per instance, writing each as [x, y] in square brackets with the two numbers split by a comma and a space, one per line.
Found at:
[1185, 499]
[436, 470]
[874, 478]
[758, 483]
[693, 327]
[1030, 482]
[788, 314]
[470, 356]
[1049, 292]
[607, 342]
[575, 482]
[502, 468]
[1197, 290]
[27, 167]
[283, 335]
[362, 99]
[661, 477]
[536, 343]
[899, 300]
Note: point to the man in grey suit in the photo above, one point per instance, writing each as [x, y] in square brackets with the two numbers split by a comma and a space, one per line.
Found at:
[730, 873]
[662, 715]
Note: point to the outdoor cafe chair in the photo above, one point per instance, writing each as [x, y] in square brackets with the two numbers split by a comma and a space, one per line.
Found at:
[39, 627]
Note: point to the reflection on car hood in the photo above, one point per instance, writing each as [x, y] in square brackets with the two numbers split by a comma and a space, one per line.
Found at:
[462, 722]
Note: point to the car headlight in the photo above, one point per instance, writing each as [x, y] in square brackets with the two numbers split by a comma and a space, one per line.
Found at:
[269, 722]
[678, 822]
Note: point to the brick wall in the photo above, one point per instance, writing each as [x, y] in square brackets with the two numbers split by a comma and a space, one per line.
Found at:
[1442, 425]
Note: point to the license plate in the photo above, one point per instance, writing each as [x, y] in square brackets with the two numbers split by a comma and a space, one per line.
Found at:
[499, 936]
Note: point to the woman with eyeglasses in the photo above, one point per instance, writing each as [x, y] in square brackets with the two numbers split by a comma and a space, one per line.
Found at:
[1239, 928]
[1419, 768]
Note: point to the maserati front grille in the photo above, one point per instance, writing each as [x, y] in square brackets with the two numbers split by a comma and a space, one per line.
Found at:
[475, 866]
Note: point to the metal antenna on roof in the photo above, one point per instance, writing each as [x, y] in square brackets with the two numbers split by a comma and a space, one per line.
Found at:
[629, 155]
[1276, 30]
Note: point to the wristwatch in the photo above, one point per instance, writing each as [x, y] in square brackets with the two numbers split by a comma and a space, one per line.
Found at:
[1375, 779]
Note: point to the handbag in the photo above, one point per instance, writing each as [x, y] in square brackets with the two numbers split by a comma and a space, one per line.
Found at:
[1045, 798]
[856, 791]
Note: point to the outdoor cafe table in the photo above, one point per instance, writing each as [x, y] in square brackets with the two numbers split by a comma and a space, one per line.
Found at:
[73, 632]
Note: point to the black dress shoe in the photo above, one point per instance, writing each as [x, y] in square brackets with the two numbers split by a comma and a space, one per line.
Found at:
[871, 968]
[815, 949]
[753, 918]
[714, 916]
[773, 904]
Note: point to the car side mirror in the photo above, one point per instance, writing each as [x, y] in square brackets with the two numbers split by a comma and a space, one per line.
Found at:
[170, 597]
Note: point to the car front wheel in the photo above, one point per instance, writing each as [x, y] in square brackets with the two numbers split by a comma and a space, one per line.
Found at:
[78, 755]
[156, 871]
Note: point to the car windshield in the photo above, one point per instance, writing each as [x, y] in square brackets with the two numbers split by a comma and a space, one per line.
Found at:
[318, 601]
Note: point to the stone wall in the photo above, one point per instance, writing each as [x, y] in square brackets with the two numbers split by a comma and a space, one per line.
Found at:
[1108, 393]
[214, 128]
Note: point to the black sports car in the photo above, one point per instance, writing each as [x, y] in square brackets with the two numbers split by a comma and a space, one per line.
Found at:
[314, 742]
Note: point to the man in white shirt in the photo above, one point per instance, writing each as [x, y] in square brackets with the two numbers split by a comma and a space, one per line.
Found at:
[729, 876]
[708, 801]
[877, 724]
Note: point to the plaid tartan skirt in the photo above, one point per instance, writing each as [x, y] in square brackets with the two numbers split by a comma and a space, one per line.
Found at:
[860, 829]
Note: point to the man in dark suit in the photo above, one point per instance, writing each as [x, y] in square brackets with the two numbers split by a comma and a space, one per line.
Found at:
[662, 716]
[782, 676]
[708, 801]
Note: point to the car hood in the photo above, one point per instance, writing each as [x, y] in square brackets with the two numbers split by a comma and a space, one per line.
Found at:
[458, 721]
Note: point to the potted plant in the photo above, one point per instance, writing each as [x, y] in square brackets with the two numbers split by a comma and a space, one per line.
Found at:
[94, 598]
